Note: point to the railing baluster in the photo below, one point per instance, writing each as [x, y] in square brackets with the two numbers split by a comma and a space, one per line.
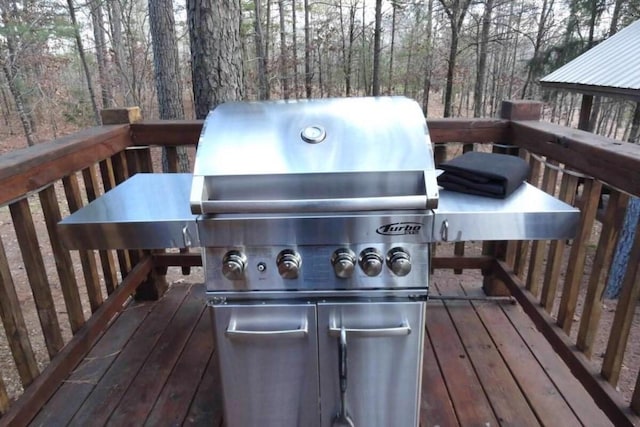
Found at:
[109, 274]
[34, 266]
[568, 187]
[172, 158]
[4, 398]
[549, 179]
[522, 247]
[625, 310]
[592, 310]
[575, 265]
[14, 325]
[119, 169]
[635, 398]
[64, 264]
[87, 258]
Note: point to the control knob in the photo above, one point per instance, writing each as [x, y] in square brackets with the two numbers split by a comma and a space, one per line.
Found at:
[371, 261]
[344, 262]
[289, 263]
[399, 261]
[233, 265]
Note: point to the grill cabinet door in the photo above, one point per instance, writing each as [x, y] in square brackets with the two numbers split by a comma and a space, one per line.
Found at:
[269, 364]
[384, 361]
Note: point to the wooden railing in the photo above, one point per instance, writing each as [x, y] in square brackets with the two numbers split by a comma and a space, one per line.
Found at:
[41, 184]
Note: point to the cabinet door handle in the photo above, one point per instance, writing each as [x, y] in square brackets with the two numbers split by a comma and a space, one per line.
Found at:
[234, 333]
[393, 331]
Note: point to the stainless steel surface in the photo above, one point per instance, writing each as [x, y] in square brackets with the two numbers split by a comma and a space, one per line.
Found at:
[315, 270]
[139, 214]
[308, 229]
[391, 331]
[528, 214]
[342, 418]
[384, 371]
[365, 154]
[370, 261]
[269, 374]
[399, 261]
[147, 211]
[371, 203]
[343, 261]
[233, 265]
[288, 262]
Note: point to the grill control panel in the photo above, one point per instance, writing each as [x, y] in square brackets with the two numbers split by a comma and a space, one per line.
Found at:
[372, 266]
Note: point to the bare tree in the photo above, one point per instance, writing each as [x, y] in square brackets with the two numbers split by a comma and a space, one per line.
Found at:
[167, 71]
[377, 34]
[263, 79]
[83, 60]
[284, 78]
[118, 50]
[97, 19]
[216, 52]
[456, 11]
[478, 93]
[308, 75]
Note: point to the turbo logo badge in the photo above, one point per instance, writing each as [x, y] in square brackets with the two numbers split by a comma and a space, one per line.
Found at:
[399, 228]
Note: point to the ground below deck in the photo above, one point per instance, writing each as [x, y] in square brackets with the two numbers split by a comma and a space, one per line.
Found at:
[484, 364]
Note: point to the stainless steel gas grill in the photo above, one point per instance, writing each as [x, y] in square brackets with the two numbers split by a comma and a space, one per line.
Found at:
[315, 220]
[316, 224]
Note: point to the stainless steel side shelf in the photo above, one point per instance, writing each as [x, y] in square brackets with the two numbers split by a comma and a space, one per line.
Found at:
[152, 211]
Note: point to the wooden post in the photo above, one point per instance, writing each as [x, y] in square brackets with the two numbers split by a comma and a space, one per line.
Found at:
[504, 250]
[155, 284]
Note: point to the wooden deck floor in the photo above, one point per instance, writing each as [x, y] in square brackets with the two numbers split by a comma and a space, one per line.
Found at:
[484, 364]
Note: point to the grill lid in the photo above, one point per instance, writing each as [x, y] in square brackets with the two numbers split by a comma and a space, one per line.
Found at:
[326, 155]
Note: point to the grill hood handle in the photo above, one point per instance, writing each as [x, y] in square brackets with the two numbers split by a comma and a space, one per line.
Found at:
[200, 204]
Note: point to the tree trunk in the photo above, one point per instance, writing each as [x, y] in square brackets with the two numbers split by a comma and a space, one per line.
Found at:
[394, 8]
[17, 99]
[615, 17]
[377, 34]
[308, 76]
[364, 54]
[294, 48]
[547, 8]
[426, 86]
[167, 71]
[263, 79]
[119, 56]
[634, 133]
[456, 12]
[478, 95]
[83, 59]
[284, 78]
[216, 53]
[97, 19]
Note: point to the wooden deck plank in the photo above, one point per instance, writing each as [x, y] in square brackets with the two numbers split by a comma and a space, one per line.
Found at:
[483, 362]
[175, 398]
[436, 408]
[507, 400]
[61, 408]
[206, 407]
[468, 398]
[568, 385]
[543, 396]
[105, 396]
[142, 393]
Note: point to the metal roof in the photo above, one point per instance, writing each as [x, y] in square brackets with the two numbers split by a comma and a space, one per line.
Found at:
[612, 68]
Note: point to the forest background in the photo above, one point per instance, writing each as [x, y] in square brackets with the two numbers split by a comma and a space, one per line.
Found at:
[63, 61]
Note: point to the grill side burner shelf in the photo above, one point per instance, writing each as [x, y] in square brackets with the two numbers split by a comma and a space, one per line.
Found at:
[315, 220]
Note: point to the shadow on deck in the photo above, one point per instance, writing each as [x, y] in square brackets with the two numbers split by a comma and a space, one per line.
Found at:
[484, 364]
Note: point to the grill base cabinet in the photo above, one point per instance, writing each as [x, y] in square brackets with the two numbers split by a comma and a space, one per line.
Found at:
[280, 362]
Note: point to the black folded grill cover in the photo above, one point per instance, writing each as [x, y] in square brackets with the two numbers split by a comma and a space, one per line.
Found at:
[484, 174]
